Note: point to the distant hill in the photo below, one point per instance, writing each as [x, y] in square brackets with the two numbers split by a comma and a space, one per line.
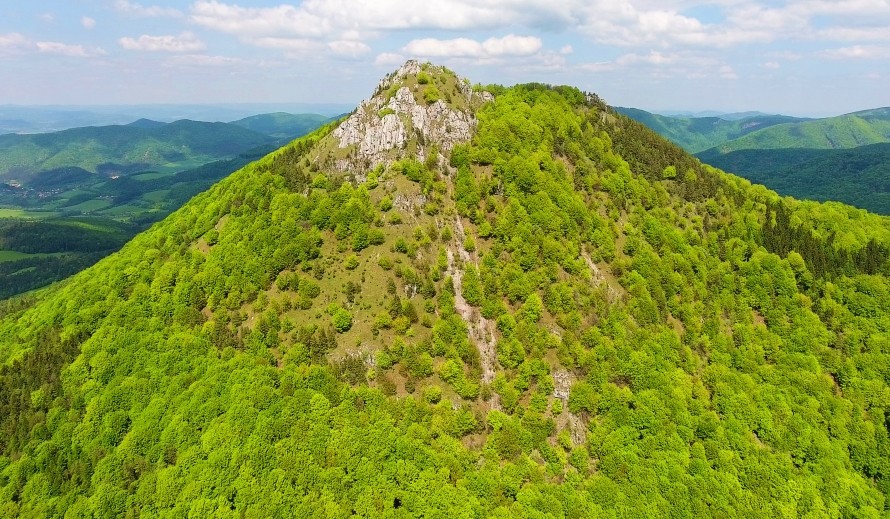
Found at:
[90, 194]
[282, 125]
[696, 134]
[119, 150]
[858, 176]
[43, 119]
[843, 131]
[146, 123]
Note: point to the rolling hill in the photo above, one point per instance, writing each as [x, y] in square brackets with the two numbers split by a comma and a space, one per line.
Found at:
[462, 302]
[844, 131]
[120, 150]
[110, 204]
[696, 134]
[283, 125]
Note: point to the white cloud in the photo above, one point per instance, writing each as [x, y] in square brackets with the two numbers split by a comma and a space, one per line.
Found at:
[857, 52]
[153, 11]
[566, 49]
[185, 42]
[772, 65]
[349, 48]
[510, 45]
[653, 58]
[259, 21]
[289, 44]
[13, 41]
[87, 22]
[203, 60]
[727, 72]
[855, 33]
[389, 59]
[64, 49]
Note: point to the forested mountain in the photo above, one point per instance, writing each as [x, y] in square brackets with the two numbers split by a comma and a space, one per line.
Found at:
[463, 302]
[696, 134]
[123, 149]
[858, 176]
[843, 131]
[283, 125]
[841, 158]
[112, 206]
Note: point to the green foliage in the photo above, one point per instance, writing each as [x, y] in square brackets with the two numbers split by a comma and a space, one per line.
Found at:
[341, 319]
[431, 94]
[723, 351]
[858, 176]
[700, 133]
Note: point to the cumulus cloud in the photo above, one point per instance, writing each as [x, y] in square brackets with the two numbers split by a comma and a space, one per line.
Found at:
[349, 48]
[185, 42]
[87, 22]
[71, 51]
[510, 45]
[153, 11]
[388, 59]
[317, 16]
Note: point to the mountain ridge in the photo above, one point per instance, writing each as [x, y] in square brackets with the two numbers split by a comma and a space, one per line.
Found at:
[564, 316]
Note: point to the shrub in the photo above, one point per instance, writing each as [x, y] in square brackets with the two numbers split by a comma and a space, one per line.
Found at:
[342, 320]
[431, 95]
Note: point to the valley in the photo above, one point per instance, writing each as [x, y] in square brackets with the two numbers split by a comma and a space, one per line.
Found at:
[841, 158]
[109, 183]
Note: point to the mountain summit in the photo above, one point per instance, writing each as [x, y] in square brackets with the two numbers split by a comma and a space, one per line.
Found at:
[415, 111]
[462, 302]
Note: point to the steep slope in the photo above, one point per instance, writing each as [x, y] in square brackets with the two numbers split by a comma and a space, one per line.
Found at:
[858, 176]
[695, 134]
[462, 304]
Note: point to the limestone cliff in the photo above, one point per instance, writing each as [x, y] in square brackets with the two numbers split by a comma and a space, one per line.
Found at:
[414, 109]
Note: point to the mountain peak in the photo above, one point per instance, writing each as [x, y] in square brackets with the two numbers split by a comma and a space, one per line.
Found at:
[415, 109]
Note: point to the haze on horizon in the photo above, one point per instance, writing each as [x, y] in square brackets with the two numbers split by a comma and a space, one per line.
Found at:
[800, 57]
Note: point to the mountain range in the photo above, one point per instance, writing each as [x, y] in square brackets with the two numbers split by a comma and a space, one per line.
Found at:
[840, 158]
[70, 198]
[462, 302]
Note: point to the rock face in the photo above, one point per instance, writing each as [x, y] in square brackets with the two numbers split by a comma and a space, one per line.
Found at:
[415, 108]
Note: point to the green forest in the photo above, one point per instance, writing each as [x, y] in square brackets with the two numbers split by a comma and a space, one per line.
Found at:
[566, 316]
[859, 176]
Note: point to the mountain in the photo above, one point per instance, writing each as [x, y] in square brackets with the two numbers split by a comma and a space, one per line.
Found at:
[44, 119]
[118, 150]
[283, 125]
[843, 131]
[462, 302]
[697, 134]
[146, 124]
[109, 208]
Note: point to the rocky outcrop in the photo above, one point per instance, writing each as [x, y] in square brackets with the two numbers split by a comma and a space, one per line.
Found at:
[398, 121]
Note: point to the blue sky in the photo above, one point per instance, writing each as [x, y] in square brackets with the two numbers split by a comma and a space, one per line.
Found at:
[800, 57]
